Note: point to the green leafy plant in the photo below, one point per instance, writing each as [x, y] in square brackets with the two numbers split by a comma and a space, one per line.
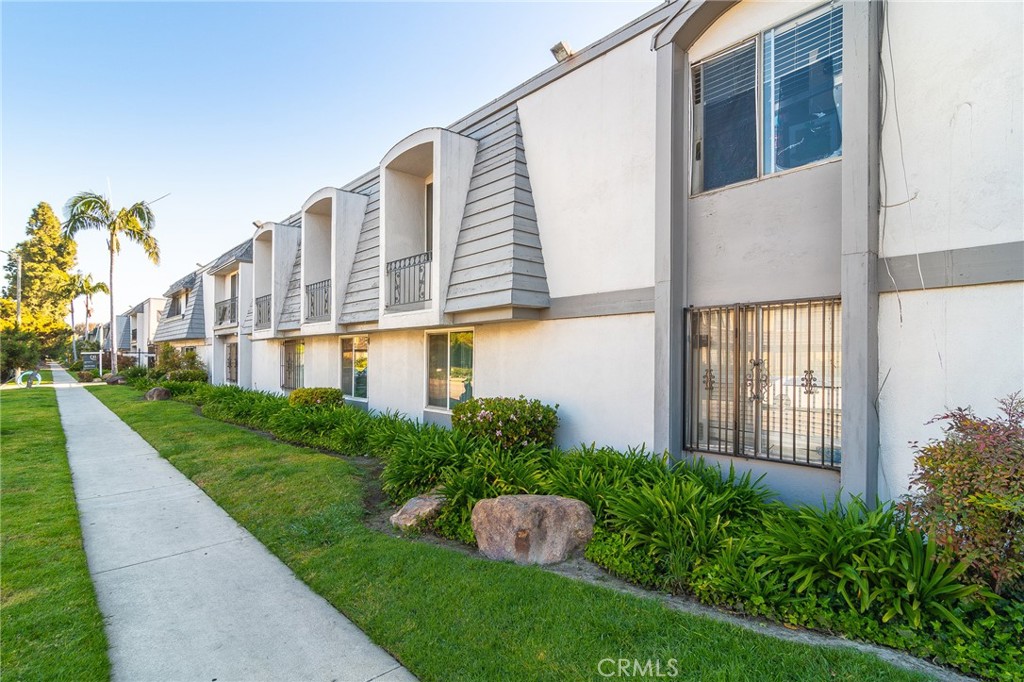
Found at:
[187, 375]
[419, 457]
[594, 474]
[970, 493]
[324, 397]
[920, 585]
[86, 377]
[510, 422]
[835, 548]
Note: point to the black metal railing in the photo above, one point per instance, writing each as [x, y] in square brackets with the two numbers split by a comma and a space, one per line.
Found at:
[262, 312]
[226, 312]
[318, 300]
[409, 279]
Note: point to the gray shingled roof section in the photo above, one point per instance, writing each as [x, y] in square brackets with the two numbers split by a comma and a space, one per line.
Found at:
[361, 302]
[137, 309]
[241, 253]
[498, 259]
[190, 325]
[186, 282]
[124, 332]
[291, 309]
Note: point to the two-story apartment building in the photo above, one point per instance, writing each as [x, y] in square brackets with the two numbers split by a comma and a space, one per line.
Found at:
[143, 319]
[780, 235]
[229, 276]
[187, 320]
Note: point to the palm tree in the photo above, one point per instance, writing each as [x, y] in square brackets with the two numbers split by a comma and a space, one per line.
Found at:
[83, 285]
[91, 211]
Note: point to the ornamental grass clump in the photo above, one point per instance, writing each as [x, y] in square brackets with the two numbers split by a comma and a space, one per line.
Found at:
[509, 422]
[969, 493]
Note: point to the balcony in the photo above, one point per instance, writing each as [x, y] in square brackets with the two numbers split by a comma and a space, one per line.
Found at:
[409, 280]
[318, 301]
[226, 312]
[262, 312]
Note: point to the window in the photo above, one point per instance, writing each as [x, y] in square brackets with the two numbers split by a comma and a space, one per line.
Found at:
[292, 364]
[450, 368]
[763, 381]
[188, 349]
[354, 366]
[176, 307]
[800, 73]
[231, 363]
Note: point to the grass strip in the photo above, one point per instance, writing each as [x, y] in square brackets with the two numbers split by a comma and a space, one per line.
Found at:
[50, 625]
[448, 616]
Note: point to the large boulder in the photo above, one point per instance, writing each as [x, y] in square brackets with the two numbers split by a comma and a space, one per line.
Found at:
[115, 380]
[417, 512]
[158, 393]
[532, 529]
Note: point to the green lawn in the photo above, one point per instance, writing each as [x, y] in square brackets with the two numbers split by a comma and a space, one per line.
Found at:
[47, 376]
[50, 625]
[445, 615]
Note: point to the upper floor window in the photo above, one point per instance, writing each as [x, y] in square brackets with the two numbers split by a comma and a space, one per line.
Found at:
[178, 304]
[355, 366]
[779, 92]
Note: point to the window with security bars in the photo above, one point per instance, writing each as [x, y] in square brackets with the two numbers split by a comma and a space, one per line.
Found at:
[292, 364]
[231, 362]
[763, 381]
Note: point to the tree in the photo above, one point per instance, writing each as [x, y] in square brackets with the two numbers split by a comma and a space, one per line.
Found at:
[83, 285]
[47, 257]
[91, 211]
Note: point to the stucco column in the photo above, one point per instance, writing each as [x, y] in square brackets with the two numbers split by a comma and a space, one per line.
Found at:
[672, 140]
[862, 24]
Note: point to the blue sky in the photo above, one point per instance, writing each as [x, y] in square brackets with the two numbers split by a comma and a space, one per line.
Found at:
[241, 110]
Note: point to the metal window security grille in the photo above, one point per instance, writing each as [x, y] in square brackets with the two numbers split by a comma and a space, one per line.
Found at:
[409, 279]
[292, 365]
[231, 362]
[318, 300]
[763, 381]
[262, 312]
[226, 312]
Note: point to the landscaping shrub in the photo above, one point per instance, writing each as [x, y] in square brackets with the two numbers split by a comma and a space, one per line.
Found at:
[418, 458]
[316, 397]
[76, 366]
[187, 391]
[85, 377]
[970, 497]
[489, 471]
[634, 564]
[248, 408]
[338, 428]
[135, 372]
[385, 429]
[592, 474]
[187, 375]
[509, 422]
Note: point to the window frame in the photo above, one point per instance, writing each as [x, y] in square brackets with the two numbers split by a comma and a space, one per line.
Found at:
[746, 382]
[341, 368]
[448, 375]
[299, 373]
[759, 114]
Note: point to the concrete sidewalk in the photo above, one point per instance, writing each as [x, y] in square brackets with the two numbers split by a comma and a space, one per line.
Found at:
[187, 593]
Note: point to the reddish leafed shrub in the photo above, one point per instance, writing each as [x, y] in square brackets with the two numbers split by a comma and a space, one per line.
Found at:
[970, 492]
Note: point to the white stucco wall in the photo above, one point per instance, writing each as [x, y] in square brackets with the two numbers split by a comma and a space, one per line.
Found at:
[600, 371]
[956, 74]
[322, 362]
[266, 366]
[589, 140]
[953, 348]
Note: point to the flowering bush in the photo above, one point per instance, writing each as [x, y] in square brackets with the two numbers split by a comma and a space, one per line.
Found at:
[509, 422]
[970, 497]
[310, 397]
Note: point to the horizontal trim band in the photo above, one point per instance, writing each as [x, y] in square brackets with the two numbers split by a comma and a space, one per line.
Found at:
[974, 265]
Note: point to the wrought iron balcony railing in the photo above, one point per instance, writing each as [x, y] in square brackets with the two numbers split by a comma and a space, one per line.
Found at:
[409, 280]
[318, 300]
[262, 312]
[226, 312]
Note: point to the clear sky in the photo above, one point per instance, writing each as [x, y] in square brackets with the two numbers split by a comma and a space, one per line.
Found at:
[241, 110]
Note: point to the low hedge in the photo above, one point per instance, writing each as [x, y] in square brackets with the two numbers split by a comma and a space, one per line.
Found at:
[687, 527]
[316, 397]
